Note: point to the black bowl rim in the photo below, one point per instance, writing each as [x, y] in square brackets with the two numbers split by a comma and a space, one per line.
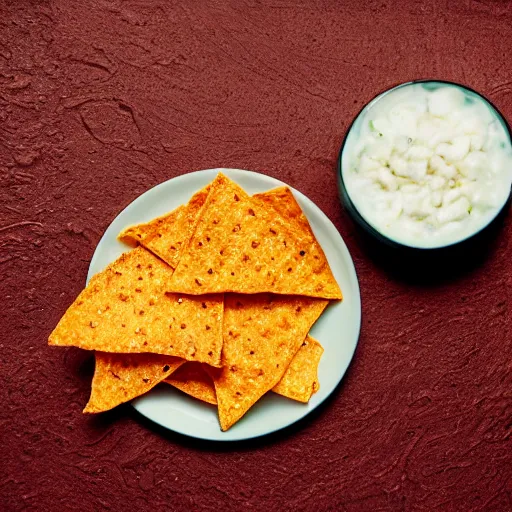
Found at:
[354, 212]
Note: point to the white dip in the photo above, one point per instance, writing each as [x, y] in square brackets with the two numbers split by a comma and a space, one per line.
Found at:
[428, 165]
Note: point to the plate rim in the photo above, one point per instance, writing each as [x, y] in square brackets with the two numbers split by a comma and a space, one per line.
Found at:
[230, 436]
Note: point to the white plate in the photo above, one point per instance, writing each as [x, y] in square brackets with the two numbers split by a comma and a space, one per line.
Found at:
[337, 329]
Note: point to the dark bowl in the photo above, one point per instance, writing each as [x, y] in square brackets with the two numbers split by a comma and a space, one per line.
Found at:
[378, 239]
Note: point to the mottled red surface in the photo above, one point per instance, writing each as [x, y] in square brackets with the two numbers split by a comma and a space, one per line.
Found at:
[101, 100]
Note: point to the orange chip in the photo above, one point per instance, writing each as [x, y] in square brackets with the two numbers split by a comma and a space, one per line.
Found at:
[193, 379]
[299, 382]
[241, 244]
[301, 378]
[119, 378]
[167, 235]
[282, 200]
[125, 309]
[262, 334]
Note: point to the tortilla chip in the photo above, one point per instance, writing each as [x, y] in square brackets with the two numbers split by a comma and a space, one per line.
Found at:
[193, 379]
[243, 245]
[120, 377]
[282, 200]
[262, 334]
[299, 382]
[125, 309]
[167, 235]
[144, 233]
[301, 378]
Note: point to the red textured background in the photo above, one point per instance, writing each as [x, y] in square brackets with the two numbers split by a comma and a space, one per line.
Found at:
[101, 100]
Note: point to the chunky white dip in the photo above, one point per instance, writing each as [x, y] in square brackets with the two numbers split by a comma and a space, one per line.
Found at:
[428, 165]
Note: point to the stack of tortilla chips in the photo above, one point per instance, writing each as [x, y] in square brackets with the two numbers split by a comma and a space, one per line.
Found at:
[216, 299]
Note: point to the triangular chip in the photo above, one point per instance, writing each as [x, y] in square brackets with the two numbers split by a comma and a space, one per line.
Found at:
[120, 377]
[165, 236]
[241, 244]
[301, 378]
[125, 309]
[262, 333]
[282, 200]
[299, 382]
[144, 233]
[193, 379]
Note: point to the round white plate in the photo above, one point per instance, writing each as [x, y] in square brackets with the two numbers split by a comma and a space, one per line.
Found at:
[337, 329]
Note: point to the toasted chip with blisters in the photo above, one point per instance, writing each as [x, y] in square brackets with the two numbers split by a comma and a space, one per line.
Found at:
[262, 333]
[193, 379]
[282, 200]
[241, 244]
[125, 309]
[301, 378]
[299, 382]
[119, 378]
[167, 235]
